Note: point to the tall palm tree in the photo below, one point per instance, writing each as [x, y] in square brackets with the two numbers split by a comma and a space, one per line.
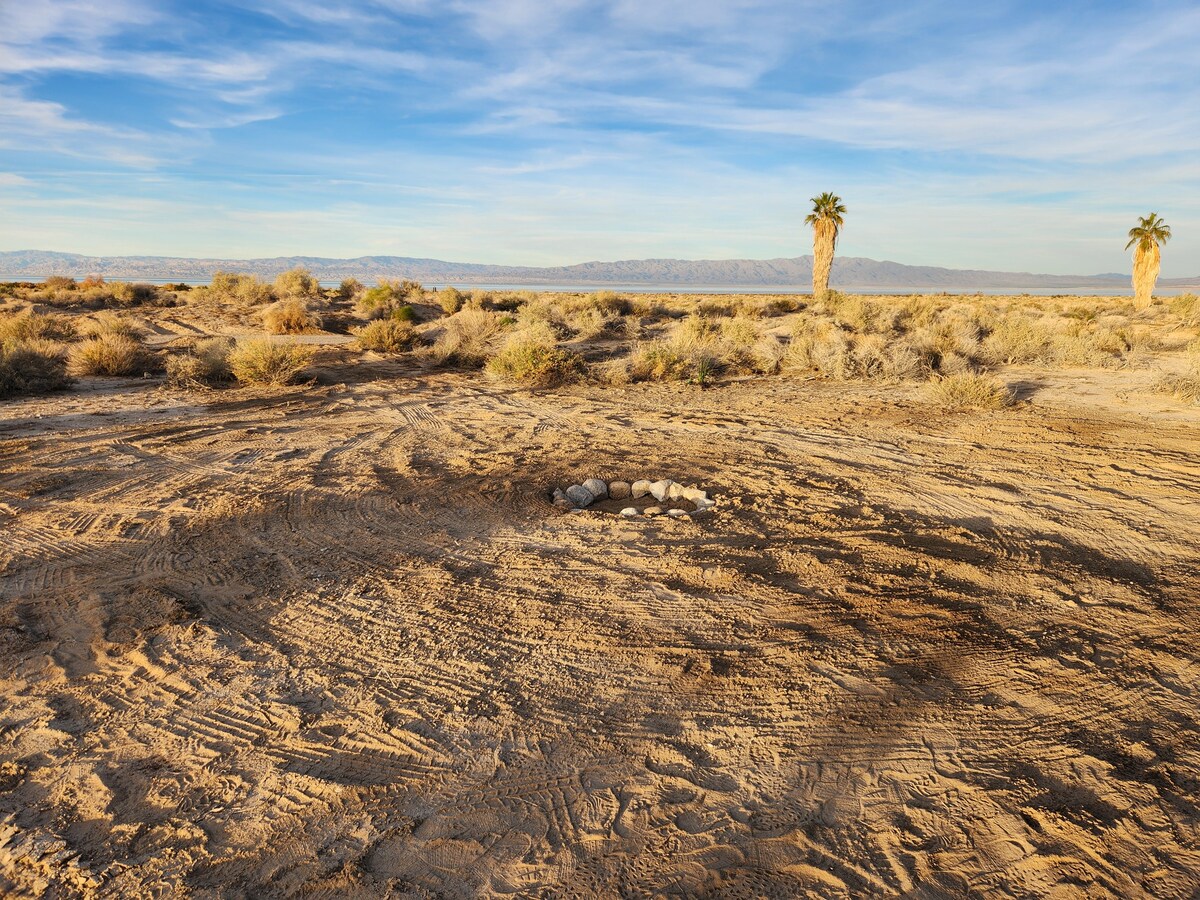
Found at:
[1149, 232]
[826, 220]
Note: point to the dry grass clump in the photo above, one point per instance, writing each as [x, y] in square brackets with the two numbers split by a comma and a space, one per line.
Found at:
[862, 314]
[107, 324]
[205, 363]
[264, 361]
[31, 367]
[297, 283]
[110, 353]
[244, 290]
[1185, 387]
[451, 300]
[1187, 307]
[700, 348]
[970, 390]
[532, 358]
[469, 338]
[386, 335]
[1018, 339]
[292, 316]
[29, 326]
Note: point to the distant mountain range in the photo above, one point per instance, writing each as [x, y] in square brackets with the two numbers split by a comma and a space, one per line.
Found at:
[850, 273]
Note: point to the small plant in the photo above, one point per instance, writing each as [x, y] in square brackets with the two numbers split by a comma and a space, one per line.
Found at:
[970, 390]
[450, 299]
[110, 354]
[404, 313]
[264, 361]
[386, 335]
[206, 363]
[658, 361]
[534, 361]
[31, 367]
[468, 339]
[297, 283]
[107, 324]
[291, 317]
[30, 326]
[242, 289]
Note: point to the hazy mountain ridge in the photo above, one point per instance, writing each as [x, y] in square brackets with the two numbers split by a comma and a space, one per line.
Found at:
[848, 272]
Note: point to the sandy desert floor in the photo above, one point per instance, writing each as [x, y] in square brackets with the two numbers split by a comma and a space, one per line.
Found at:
[334, 641]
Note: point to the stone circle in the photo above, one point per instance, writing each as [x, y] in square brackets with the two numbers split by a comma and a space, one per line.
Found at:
[664, 491]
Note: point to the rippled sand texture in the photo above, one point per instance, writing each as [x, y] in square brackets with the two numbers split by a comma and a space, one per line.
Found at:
[334, 641]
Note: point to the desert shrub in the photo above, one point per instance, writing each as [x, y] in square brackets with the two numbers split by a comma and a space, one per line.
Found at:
[350, 288]
[205, 363]
[59, 283]
[123, 293]
[861, 314]
[1187, 307]
[264, 361]
[110, 354]
[822, 347]
[404, 313]
[450, 299]
[29, 326]
[31, 367]
[468, 338]
[108, 324]
[658, 361]
[1017, 339]
[296, 283]
[609, 302]
[292, 316]
[178, 287]
[379, 301]
[533, 359]
[386, 335]
[970, 390]
[244, 289]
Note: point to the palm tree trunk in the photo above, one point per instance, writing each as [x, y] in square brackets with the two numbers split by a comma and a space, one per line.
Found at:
[1145, 274]
[823, 233]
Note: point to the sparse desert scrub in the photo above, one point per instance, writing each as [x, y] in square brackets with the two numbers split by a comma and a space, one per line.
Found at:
[107, 324]
[379, 301]
[264, 361]
[451, 300]
[28, 326]
[293, 316]
[1187, 307]
[468, 338]
[532, 358]
[110, 353]
[31, 367]
[350, 289]
[1016, 338]
[205, 363]
[246, 290]
[658, 361]
[1185, 386]
[297, 283]
[386, 335]
[970, 390]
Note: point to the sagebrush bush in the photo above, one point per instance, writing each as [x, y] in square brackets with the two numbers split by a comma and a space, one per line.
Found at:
[264, 361]
[658, 361]
[125, 294]
[31, 367]
[107, 324]
[205, 363]
[450, 299]
[386, 335]
[28, 326]
[468, 338]
[970, 390]
[246, 290]
[292, 316]
[533, 359]
[110, 354]
[296, 283]
[1017, 339]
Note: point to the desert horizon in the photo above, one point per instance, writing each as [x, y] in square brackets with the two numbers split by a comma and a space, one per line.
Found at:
[598, 450]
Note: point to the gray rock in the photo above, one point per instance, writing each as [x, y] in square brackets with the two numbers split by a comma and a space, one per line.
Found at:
[659, 489]
[598, 488]
[630, 511]
[640, 489]
[580, 496]
[558, 495]
[618, 490]
[676, 513]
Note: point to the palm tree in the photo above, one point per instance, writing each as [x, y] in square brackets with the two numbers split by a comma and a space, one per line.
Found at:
[826, 221]
[1149, 232]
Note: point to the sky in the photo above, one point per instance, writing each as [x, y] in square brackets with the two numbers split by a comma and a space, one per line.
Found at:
[1018, 136]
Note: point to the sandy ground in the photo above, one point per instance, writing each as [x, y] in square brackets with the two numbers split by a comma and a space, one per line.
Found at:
[334, 641]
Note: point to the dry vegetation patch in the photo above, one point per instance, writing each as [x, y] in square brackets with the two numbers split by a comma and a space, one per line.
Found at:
[264, 361]
[31, 366]
[293, 316]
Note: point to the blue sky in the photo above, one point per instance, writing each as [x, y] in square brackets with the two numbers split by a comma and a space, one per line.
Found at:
[1004, 135]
